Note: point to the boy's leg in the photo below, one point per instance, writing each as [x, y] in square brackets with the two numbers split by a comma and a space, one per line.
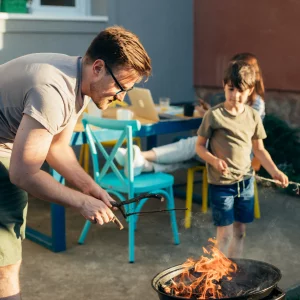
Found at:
[222, 203]
[224, 236]
[243, 214]
[13, 210]
[237, 243]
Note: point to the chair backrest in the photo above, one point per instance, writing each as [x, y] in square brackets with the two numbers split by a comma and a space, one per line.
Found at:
[110, 129]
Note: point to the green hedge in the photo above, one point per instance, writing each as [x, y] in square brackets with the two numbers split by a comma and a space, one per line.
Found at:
[283, 144]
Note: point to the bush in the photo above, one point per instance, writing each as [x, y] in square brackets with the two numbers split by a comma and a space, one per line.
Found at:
[283, 144]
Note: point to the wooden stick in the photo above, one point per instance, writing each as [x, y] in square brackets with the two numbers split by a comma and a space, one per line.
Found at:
[232, 171]
[117, 222]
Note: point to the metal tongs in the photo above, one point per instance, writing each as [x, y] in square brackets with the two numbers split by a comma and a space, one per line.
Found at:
[137, 199]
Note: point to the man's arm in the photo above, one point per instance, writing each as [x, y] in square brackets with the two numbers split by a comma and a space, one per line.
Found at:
[265, 159]
[31, 147]
[61, 158]
[202, 151]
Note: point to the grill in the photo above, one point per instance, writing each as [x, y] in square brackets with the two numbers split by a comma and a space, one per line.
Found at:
[253, 280]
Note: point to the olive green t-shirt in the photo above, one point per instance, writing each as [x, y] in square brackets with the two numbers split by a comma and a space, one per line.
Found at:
[230, 138]
[45, 86]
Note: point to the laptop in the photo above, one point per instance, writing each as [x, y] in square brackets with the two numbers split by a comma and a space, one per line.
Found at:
[143, 106]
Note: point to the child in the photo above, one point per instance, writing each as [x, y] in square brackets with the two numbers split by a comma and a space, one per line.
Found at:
[234, 129]
[182, 154]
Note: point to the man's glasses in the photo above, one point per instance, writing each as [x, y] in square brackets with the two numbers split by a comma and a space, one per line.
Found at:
[122, 90]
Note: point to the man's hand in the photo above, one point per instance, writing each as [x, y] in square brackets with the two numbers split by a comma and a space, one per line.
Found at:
[96, 211]
[97, 192]
[221, 166]
[282, 179]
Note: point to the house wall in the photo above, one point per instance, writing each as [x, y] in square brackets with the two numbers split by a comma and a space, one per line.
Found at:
[23, 34]
[164, 27]
[19, 37]
[267, 28]
[166, 30]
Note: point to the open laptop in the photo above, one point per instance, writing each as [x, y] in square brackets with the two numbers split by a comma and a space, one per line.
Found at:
[144, 107]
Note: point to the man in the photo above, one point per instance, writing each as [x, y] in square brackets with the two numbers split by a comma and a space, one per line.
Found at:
[41, 97]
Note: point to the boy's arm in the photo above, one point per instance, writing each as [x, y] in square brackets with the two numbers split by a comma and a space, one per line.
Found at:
[264, 157]
[201, 150]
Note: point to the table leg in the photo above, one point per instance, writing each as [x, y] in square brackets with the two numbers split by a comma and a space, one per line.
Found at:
[57, 241]
[151, 142]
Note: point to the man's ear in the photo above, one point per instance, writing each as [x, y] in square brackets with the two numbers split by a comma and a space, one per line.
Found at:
[98, 66]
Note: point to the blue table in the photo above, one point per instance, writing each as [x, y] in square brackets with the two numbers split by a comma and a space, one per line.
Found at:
[57, 241]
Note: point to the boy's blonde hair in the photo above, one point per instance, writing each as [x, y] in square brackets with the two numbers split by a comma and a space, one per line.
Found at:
[119, 47]
[240, 74]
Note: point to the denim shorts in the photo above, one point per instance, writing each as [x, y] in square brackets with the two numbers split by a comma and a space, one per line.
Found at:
[232, 203]
[13, 209]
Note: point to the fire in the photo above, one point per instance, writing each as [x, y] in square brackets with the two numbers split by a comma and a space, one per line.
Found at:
[202, 278]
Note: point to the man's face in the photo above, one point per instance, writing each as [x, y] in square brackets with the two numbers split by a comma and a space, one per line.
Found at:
[234, 96]
[103, 88]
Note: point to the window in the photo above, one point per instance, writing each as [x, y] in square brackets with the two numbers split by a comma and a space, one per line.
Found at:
[61, 7]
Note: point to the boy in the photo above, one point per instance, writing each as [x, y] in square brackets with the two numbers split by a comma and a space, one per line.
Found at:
[234, 129]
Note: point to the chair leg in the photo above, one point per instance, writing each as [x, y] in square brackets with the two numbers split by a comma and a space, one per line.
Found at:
[171, 205]
[256, 202]
[84, 232]
[189, 197]
[131, 237]
[204, 191]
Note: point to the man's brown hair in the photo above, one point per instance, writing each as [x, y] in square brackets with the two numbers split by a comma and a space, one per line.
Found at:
[240, 74]
[120, 47]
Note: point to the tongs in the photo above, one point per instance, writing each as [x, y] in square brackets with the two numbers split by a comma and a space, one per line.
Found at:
[137, 199]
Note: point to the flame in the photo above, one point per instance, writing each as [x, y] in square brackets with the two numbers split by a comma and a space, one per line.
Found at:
[211, 270]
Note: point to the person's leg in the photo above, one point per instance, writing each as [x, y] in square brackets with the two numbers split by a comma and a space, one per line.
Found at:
[222, 201]
[224, 237]
[13, 210]
[183, 150]
[180, 151]
[243, 214]
[149, 155]
[9, 282]
[237, 242]
[167, 158]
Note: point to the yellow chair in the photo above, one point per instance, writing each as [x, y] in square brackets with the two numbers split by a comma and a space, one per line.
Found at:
[189, 194]
[84, 156]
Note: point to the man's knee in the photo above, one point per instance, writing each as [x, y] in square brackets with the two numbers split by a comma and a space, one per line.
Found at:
[9, 282]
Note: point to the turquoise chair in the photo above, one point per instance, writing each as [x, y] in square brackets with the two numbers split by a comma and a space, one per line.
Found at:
[113, 180]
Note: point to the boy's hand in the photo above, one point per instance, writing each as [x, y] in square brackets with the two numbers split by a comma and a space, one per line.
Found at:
[221, 166]
[282, 178]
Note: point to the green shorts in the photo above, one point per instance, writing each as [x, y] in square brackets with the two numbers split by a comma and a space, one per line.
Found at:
[13, 210]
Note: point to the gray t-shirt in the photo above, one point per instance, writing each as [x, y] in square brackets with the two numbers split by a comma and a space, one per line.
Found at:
[45, 86]
[230, 138]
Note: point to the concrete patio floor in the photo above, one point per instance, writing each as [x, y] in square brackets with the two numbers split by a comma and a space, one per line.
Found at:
[100, 269]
